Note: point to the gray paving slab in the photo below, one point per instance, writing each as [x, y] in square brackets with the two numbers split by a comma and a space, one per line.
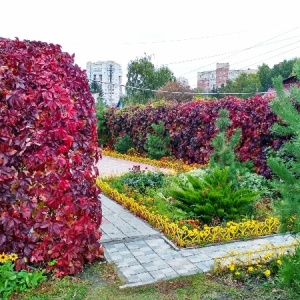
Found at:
[110, 166]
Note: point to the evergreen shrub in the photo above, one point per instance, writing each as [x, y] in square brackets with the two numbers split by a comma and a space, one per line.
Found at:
[123, 144]
[211, 197]
[286, 167]
[157, 143]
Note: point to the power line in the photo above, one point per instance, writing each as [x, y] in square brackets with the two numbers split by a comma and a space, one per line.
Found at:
[190, 39]
[162, 91]
[262, 55]
[276, 55]
[246, 49]
[189, 78]
[169, 41]
[224, 53]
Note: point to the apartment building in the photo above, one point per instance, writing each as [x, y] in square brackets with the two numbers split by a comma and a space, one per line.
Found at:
[109, 76]
[209, 80]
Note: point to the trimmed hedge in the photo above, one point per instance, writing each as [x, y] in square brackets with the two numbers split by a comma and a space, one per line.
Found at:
[191, 127]
[49, 200]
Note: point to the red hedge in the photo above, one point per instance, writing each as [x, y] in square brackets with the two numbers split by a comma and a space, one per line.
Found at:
[191, 127]
[49, 201]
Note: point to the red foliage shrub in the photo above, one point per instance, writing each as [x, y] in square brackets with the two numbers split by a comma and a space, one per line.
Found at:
[49, 201]
[191, 127]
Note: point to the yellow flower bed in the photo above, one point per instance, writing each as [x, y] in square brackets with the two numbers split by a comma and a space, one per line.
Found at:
[184, 237]
[257, 257]
[176, 165]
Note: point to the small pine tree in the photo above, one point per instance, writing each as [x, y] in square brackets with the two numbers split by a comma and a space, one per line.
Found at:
[102, 130]
[223, 155]
[124, 143]
[157, 143]
[287, 174]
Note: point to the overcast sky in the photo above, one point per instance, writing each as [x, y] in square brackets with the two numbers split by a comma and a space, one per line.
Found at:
[187, 36]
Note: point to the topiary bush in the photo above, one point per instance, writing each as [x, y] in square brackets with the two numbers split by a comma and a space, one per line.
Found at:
[49, 200]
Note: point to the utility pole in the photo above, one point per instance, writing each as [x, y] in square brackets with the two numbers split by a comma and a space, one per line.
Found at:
[110, 72]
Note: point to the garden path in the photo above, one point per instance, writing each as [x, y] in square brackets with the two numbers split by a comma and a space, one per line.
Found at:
[144, 255]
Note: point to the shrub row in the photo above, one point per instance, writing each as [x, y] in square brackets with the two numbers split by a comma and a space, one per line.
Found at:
[191, 127]
[49, 200]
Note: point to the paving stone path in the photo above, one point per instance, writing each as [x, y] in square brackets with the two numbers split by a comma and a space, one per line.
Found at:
[144, 255]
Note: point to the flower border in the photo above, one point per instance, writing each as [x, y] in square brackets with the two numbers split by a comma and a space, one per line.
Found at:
[182, 236]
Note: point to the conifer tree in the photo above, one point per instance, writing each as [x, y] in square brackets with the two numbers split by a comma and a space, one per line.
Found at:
[102, 130]
[158, 142]
[223, 154]
[286, 167]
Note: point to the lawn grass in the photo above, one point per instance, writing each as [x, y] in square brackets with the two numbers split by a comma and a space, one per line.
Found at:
[100, 281]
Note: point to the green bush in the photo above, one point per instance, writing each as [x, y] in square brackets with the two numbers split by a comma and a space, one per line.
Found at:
[212, 197]
[124, 143]
[141, 181]
[257, 183]
[157, 143]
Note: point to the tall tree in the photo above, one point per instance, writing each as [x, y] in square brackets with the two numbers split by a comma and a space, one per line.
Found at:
[245, 83]
[175, 90]
[286, 166]
[265, 76]
[143, 78]
[283, 69]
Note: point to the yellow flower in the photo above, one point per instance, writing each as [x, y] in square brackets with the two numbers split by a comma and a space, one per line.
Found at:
[237, 273]
[267, 272]
[250, 269]
[231, 267]
[3, 257]
[13, 256]
[190, 233]
[279, 261]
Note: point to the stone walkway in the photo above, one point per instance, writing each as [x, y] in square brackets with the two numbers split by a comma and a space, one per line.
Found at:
[115, 166]
[144, 255]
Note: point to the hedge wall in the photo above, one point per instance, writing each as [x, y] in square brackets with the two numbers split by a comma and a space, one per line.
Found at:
[191, 127]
